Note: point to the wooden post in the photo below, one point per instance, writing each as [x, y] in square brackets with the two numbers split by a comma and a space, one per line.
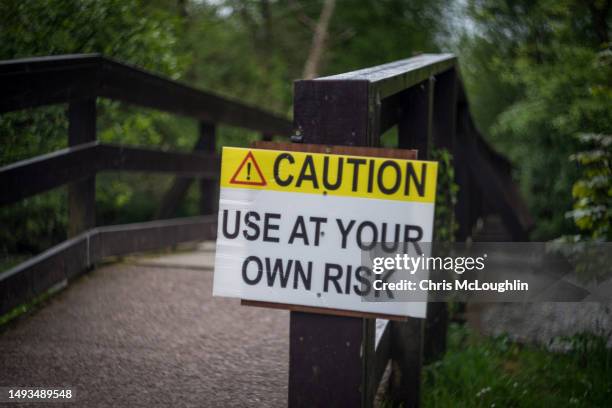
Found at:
[81, 194]
[326, 367]
[444, 132]
[445, 110]
[406, 362]
[415, 122]
[414, 132]
[463, 213]
[209, 191]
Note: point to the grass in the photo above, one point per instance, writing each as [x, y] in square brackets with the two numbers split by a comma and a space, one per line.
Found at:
[496, 372]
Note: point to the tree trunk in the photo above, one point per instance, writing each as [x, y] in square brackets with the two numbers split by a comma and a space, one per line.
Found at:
[319, 39]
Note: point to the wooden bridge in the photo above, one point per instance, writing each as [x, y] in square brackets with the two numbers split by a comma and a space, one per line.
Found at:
[147, 331]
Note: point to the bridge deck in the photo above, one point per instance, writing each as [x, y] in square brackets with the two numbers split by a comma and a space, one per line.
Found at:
[148, 333]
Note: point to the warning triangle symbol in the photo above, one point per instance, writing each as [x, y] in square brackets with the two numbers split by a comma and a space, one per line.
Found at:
[248, 173]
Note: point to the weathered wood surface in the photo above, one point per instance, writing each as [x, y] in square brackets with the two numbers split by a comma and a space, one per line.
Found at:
[394, 77]
[32, 82]
[81, 193]
[63, 262]
[33, 176]
[342, 150]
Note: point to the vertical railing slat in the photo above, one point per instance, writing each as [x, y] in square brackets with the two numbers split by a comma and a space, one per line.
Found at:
[81, 194]
[209, 189]
[444, 134]
[415, 131]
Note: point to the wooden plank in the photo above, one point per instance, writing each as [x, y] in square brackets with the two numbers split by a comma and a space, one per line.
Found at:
[335, 149]
[389, 79]
[462, 208]
[491, 170]
[71, 258]
[415, 123]
[436, 329]
[333, 112]
[445, 110]
[326, 367]
[444, 134]
[124, 158]
[390, 112]
[406, 362]
[82, 193]
[321, 310]
[466, 195]
[414, 131]
[209, 189]
[135, 86]
[33, 82]
[40, 81]
[370, 363]
[496, 190]
[382, 357]
[34, 277]
[76, 163]
[118, 240]
[42, 173]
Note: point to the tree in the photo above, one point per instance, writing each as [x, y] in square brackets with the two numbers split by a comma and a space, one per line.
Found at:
[551, 56]
[250, 50]
[129, 31]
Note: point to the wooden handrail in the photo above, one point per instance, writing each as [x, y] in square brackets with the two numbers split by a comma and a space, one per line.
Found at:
[422, 95]
[32, 176]
[388, 79]
[32, 82]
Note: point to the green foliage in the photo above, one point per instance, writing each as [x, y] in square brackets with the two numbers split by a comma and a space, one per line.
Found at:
[129, 31]
[592, 192]
[496, 372]
[445, 224]
[548, 72]
[248, 50]
[380, 31]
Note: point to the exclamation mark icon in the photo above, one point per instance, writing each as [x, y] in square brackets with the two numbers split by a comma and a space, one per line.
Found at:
[248, 171]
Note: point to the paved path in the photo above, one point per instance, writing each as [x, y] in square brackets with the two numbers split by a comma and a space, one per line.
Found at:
[144, 334]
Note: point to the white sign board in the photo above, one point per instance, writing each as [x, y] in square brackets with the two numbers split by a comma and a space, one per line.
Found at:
[293, 225]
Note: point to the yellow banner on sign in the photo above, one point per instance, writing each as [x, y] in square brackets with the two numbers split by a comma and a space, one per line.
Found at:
[318, 173]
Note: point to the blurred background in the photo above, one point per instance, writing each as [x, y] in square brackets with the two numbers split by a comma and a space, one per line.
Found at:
[538, 76]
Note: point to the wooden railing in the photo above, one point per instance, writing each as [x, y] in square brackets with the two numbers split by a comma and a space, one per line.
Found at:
[79, 80]
[424, 97]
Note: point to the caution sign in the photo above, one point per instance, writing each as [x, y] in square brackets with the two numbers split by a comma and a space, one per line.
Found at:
[248, 173]
[293, 225]
[312, 173]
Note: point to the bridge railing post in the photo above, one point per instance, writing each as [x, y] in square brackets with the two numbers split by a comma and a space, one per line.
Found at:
[209, 190]
[326, 364]
[444, 134]
[415, 131]
[81, 194]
